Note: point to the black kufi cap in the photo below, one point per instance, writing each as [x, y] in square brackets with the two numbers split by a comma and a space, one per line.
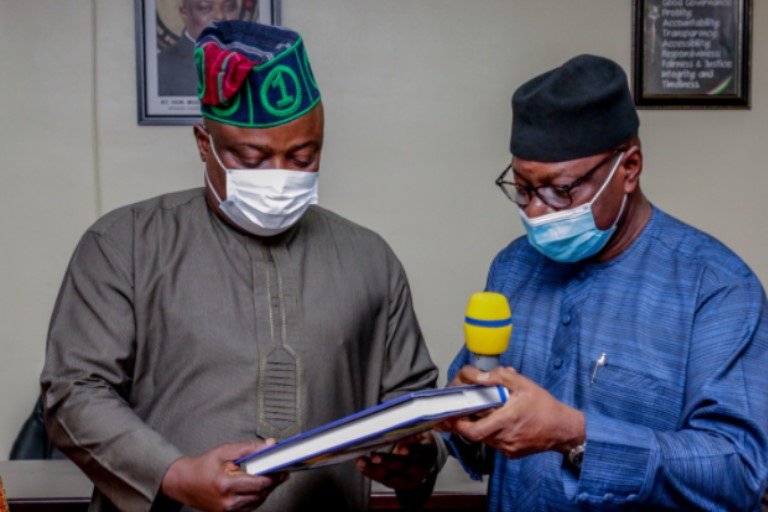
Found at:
[579, 109]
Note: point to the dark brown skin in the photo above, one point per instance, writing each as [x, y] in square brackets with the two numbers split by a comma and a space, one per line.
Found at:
[626, 180]
[212, 482]
[533, 420]
[406, 467]
[295, 146]
[197, 14]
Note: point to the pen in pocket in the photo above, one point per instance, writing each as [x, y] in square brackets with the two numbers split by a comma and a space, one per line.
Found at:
[598, 364]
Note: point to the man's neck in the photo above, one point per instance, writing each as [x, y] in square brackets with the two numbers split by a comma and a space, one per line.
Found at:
[636, 216]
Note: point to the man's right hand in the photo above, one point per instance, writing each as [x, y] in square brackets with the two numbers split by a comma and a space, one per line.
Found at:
[211, 481]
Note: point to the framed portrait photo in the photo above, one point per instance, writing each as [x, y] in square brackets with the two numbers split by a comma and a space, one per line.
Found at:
[166, 78]
[692, 53]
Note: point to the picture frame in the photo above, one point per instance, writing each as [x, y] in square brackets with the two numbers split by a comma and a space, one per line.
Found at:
[166, 82]
[692, 54]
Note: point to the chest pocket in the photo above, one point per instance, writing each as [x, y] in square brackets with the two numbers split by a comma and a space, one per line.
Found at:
[633, 395]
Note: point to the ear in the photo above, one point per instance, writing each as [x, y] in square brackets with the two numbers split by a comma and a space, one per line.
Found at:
[184, 13]
[633, 167]
[203, 141]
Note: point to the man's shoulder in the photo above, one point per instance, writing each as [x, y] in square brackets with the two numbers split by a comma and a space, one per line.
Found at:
[515, 265]
[120, 219]
[357, 245]
[696, 247]
[518, 252]
[319, 217]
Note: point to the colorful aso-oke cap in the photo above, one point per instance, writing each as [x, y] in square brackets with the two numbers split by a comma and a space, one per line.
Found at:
[253, 75]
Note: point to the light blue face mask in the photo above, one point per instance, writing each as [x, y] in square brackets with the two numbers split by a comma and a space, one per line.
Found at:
[571, 235]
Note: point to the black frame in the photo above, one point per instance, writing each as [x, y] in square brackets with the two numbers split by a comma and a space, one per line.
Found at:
[741, 100]
[143, 115]
[500, 182]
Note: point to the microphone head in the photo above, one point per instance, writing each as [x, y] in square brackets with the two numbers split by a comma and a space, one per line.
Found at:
[488, 324]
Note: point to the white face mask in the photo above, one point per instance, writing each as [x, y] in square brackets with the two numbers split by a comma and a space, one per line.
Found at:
[265, 202]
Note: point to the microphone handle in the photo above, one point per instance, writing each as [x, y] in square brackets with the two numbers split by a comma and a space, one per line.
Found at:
[485, 363]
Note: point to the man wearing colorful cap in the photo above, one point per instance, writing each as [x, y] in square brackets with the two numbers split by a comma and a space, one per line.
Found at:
[234, 313]
[637, 361]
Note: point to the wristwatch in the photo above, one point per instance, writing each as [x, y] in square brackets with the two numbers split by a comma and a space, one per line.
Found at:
[576, 455]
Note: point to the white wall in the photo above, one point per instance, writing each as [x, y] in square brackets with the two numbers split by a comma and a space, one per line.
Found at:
[48, 188]
[416, 97]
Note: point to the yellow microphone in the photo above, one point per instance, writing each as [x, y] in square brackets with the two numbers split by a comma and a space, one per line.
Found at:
[487, 328]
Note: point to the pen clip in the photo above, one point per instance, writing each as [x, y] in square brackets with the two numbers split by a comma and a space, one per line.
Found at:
[598, 364]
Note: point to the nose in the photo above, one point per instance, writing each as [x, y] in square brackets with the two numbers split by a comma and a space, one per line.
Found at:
[537, 208]
[274, 162]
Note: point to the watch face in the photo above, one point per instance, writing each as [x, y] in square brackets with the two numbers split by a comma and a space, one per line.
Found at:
[576, 456]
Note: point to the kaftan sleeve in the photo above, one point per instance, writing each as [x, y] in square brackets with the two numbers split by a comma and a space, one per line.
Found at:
[718, 458]
[87, 378]
[407, 364]
[408, 367]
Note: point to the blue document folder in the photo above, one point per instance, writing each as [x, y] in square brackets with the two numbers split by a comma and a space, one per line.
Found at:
[373, 428]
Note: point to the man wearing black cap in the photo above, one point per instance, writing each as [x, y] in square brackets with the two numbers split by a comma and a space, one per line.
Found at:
[192, 327]
[637, 364]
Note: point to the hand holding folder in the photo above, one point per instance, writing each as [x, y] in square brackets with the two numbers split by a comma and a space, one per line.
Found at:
[411, 462]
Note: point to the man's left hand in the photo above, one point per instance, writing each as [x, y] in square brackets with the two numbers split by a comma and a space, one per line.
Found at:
[406, 467]
[531, 421]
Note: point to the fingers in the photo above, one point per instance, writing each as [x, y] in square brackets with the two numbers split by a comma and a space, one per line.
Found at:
[483, 428]
[449, 425]
[390, 462]
[244, 484]
[376, 472]
[233, 451]
[246, 492]
[211, 481]
[395, 471]
[401, 450]
[502, 376]
[467, 375]
[407, 466]
[443, 426]
[464, 427]
[420, 441]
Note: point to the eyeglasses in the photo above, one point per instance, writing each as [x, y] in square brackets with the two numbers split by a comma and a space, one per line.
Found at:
[556, 196]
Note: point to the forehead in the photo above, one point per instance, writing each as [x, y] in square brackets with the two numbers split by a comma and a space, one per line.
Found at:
[205, 3]
[308, 127]
[534, 171]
